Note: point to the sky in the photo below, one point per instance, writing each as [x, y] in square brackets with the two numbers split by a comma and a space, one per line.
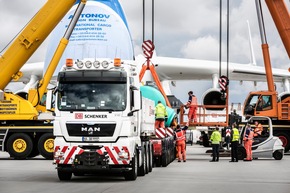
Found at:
[182, 28]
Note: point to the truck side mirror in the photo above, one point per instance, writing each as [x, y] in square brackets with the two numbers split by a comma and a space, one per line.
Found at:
[135, 100]
[49, 98]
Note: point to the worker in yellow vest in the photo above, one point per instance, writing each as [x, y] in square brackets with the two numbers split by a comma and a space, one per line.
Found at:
[215, 143]
[160, 115]
[235, 135]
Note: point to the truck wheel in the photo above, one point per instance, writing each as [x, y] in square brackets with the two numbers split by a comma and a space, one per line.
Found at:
[278, 155]
[157, 161]
[46, 145]
[164, 159]
[64, 175]
[19, 145]
[142, 168]
[132, 174]
[147, 159]
[150, 158]
[34, 151]
[284, 137]
[241, 153]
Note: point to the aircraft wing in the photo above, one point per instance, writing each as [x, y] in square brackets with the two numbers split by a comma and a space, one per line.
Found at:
[192, 69]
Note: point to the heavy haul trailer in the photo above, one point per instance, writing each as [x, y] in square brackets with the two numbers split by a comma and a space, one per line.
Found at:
[104, 121]
[24, 131]
[163, 140]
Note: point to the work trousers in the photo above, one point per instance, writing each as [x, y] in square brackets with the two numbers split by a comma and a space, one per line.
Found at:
[215, 152]
[234, 151]
[192, 114]
[159, 124]
[248, 147]
[181, 152]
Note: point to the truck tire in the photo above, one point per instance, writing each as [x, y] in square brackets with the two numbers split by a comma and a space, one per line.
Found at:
[150, 157]
[164, 160]
[147, 158]
[132, 174]
[142, 168]
[284, 137]
[34, 151]
[19, 145]
[241, 153]
[46, 145]
[157, 161]
[278, 155]
[64, 175]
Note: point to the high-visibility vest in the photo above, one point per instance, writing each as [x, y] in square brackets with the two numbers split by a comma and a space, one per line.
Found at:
[160, 111]
[193, 101]
[236, 134]
[249, 136]
[259, 129]
[180, 135]
[215, 137]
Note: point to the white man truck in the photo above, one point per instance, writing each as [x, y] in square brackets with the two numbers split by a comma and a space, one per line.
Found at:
[102, 121]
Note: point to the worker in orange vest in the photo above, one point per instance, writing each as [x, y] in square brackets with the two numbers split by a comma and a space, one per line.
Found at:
[248, 141]
[258, 129]
[192, 105]
[180, 142]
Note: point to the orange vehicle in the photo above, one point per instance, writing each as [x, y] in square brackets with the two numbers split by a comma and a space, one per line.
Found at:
[269, 103]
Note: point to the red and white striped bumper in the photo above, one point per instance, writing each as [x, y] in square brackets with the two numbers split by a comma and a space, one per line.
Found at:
[117, 155]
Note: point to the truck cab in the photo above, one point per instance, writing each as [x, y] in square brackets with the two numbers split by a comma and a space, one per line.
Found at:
[101, 120]
[261, 103]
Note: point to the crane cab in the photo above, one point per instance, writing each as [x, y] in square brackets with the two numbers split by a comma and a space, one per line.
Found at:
[261, 103]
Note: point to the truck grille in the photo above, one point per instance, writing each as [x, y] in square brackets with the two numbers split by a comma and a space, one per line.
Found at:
[98, 130]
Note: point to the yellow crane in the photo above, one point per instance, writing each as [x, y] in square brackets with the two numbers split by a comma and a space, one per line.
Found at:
[22, 133]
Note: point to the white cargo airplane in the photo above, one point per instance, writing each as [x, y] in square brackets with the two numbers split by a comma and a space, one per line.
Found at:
[103, 32]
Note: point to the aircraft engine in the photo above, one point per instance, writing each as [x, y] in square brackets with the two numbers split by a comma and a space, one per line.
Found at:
[213, 96]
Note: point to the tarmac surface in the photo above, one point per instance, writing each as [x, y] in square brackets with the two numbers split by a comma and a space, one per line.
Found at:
[38, 175]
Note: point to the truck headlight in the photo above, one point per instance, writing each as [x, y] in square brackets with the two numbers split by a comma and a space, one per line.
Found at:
[58, 155]
[80, 64]
[96, 64]
[88, 64]
[105, 64]
[123, 155]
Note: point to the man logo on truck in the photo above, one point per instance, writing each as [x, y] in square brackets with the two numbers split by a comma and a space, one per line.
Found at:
[91, 130]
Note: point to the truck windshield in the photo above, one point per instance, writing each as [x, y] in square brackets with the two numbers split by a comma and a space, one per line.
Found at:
[96, 96]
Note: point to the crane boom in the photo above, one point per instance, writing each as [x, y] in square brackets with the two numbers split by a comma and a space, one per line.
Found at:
[280, 15]
[27, 42]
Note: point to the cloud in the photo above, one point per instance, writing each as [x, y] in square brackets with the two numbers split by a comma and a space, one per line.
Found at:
[183, 28]
[202, 48]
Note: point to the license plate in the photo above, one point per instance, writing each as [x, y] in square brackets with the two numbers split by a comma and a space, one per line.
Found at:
[90, 138]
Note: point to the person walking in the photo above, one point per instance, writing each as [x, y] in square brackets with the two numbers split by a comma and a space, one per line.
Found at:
[248, 141]
[215, 143]
[235, 143]
[192, 104]
[180, 142]
[160, 115]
